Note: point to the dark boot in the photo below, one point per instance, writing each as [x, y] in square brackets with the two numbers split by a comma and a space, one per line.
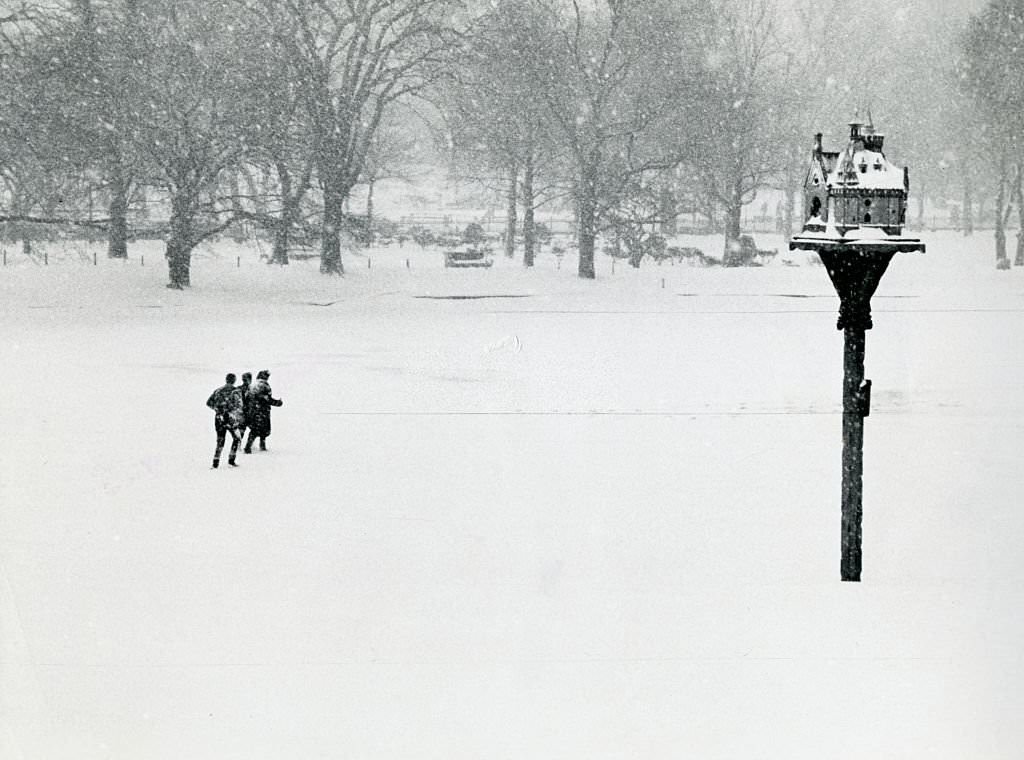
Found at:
[232, 462]
[216, 463]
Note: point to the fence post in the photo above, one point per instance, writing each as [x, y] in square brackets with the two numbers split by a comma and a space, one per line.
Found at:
[238, 262]
[142, 260]
[46, 258]
[94, 258]
[407, 264]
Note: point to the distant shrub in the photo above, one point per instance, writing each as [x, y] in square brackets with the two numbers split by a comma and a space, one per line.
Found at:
[691, 255]
[385, 228]
[422, 236]
[474, 233]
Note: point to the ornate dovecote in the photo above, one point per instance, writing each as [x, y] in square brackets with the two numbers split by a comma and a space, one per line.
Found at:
[856, 190]
[855, 204]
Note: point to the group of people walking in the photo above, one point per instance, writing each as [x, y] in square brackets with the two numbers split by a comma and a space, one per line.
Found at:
[238, 408]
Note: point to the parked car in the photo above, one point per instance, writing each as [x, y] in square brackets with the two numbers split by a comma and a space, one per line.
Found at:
[467, 257]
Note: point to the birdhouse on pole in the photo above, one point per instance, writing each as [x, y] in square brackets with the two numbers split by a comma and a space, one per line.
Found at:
[855, 205]
[855, 198]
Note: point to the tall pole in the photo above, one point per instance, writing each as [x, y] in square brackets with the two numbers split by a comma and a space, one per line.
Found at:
[855, 274]
[855, 256]
[853, 452]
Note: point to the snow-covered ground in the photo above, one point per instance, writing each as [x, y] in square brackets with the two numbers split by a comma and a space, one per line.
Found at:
[594, 520]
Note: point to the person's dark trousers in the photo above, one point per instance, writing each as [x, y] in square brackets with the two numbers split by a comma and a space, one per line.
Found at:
[222, 431]
[252, 437]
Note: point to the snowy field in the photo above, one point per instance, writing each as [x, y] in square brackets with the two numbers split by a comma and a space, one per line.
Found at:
[593, 520]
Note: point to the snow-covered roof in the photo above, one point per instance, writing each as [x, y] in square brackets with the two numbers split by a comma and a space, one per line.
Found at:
[859, 167]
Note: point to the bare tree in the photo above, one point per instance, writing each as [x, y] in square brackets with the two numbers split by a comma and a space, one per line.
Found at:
[281, 149]
[616, 79]
[93, 61]
[992, 75]
[41, 180]
[740, 132]
[189, 92]
[392, 155]
[353, 60]
[500, 130]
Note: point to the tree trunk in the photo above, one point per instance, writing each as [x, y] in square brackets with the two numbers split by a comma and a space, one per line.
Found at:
[636, 248]
[733, 229]
[237, 230]
[1002, 262]
[511, 211]
[967, 216]
[528, 228]
[711, 212]
[733, 215]
[288, 217]
[179, 244]
[587, 203]
[283, 230]
[575, 191]
[789, 204]
[667, 210]
[369, 211]
[117, 235]
[142, 207]
[334, 217]
[259, 197]
[1018, 259]
[282, 237]
[920, 207]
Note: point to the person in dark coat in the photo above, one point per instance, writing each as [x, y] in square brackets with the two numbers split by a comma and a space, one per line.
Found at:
[244, 390]
[226, 403]
[261, 398]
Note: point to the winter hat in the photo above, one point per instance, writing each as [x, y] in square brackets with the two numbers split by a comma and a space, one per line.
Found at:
[246, 377]
[263, 374]
[229, 378]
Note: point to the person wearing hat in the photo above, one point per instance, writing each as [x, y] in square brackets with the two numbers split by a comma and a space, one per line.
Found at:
[226, 403]
[244, 390]
[261, 398]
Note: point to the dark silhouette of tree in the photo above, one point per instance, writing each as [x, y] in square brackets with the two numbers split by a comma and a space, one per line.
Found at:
[744, 110]
[190, 95]
[280, 157]
[42, 179]
[392, 155]
[83, 82]
[500, 129]
[992, 75]
[617, 79]
[353, 61]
